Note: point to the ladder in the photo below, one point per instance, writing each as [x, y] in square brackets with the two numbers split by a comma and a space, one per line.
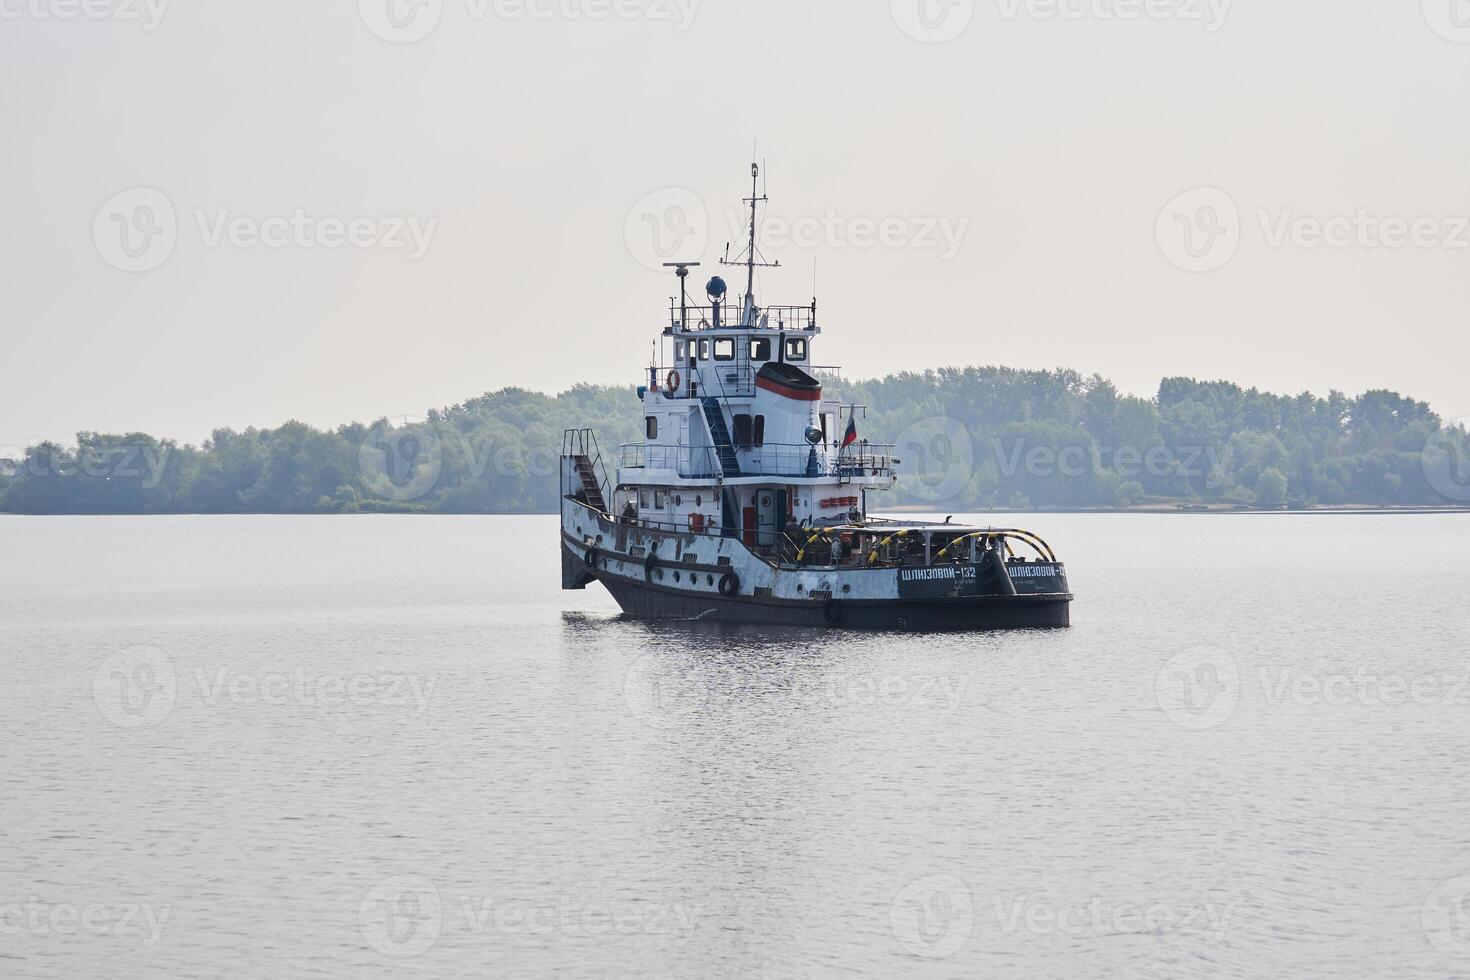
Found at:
[720, 434]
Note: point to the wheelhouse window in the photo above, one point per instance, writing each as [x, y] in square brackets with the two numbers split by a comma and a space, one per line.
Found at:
[658, 500]
[759, 435]
[760, 349]
[795, 348]
[725, 349]
[704, 350]
[743, 436]
[679, 350]
[650, 426]
[645, 499]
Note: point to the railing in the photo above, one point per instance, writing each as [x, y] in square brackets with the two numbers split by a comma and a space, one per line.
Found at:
[789, 318]
[583, 443]
[768, 460]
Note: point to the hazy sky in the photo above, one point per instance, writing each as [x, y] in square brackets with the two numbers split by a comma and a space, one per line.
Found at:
[342, 210]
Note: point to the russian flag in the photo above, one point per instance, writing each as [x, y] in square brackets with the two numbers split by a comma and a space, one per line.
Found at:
[850, 436]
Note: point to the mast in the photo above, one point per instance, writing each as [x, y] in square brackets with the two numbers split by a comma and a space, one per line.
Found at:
[752, 256]
[755, 173]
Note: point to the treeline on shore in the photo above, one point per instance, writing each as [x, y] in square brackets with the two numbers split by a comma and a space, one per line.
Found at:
[969, 438]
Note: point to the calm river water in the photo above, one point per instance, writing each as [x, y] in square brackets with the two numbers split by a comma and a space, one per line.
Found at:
[391, 747]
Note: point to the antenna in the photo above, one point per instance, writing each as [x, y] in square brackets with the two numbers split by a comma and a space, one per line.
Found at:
[682, 271]
[752, 254]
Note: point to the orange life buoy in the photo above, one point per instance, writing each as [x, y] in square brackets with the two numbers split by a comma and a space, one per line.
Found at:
[673, 381]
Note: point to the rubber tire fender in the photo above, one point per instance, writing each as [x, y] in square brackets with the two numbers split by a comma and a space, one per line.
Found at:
[649, 564]
[730, 585]
[832, 612]
[590, 559]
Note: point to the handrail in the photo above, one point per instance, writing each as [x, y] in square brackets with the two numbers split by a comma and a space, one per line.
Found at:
[791, 319]
[770, 459]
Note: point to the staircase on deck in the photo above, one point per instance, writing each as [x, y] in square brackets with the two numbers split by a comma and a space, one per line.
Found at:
[720, 433]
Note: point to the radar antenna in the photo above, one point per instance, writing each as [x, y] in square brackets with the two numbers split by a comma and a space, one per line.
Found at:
[751, 257]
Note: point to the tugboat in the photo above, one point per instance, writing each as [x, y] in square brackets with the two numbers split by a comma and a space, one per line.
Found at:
[747, 499]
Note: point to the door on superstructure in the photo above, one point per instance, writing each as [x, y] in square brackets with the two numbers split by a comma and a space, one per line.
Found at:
[768, 510]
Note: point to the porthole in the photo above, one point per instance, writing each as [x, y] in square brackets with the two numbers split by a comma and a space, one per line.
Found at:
[711, 579]
[800, 587]
[847, 588]
[678, 500]
[676, 576]
[698, 500]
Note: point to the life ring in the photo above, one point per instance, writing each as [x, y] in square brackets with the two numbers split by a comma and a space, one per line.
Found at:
[672, 382]
[832, 612]
[590, 559]
[730, 585]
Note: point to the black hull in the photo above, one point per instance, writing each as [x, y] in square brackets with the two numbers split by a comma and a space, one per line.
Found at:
[644, 601]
